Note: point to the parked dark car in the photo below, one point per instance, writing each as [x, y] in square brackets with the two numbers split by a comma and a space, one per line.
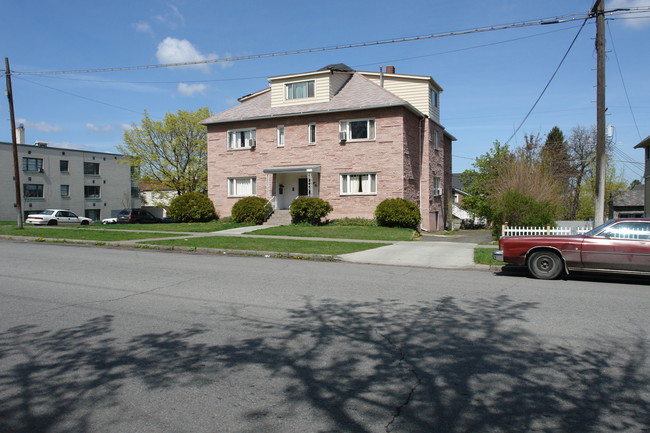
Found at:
[133, 216]
[621, 246]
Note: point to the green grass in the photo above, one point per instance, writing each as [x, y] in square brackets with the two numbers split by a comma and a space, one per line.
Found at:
[83, 234]
[483, 256]
[275, 245]
[212, 226]
[340, 232]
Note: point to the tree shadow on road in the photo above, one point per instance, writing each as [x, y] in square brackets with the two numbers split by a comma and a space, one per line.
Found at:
[442, 366]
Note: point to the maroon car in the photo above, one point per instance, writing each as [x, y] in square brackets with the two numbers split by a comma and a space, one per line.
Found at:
[621, 245]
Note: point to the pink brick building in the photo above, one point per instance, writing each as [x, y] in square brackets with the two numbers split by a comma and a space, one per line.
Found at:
[352, 138]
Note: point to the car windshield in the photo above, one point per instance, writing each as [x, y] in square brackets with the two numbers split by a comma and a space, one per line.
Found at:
[47, 212]
[596, 230]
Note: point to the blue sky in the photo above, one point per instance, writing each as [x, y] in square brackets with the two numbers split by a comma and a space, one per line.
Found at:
[490, 79]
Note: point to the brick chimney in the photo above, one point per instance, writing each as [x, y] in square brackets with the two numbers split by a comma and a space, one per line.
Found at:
[390, 69]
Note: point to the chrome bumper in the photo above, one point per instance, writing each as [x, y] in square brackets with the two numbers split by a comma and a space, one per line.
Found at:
[497, 255]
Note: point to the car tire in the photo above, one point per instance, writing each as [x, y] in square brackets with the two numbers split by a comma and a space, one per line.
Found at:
[84, 223]
[545, 265]
[52, 222]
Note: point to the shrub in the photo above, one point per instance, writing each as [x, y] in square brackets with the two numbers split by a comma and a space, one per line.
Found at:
[192, 207]
[250, 210]
[398, 212]
[521, 210]
[309, 210]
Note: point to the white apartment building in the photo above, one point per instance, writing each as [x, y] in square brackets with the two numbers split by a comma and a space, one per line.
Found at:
[93, 184]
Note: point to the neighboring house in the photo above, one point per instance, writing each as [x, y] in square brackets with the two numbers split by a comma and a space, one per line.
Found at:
[156, 198]
[629, 204]
[645, 144]
[91, 184]
[349, 137]
[460, 217]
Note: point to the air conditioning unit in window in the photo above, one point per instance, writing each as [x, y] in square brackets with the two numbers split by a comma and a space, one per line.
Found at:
[252, 143]
[343, 136]
[437, 191]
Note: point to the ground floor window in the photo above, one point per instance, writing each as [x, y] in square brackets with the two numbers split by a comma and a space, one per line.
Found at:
[242, 186]
[93, 214]
[65, 190]
[359, 183]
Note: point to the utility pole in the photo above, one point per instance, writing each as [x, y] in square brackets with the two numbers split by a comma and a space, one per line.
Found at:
[599, 11]
[14, 146]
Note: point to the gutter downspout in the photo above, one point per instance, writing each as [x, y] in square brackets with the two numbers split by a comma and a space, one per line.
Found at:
[422, 165]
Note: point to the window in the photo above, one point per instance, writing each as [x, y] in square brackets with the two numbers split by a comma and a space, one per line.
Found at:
[304, 89]
[63, 164]
[91, 191]
[33, 190]
[241, 139]
[628, 230]
[93, 214]
[359, 184]
[358, 129]
[312, 133]
[436, 140]
[437, 190]
[435, 98]
[280, 136]
[65, 190]
[241, 186]
[32, 164]
[91, 168]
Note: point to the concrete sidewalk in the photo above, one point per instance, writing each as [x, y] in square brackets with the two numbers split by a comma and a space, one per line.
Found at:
[438, 254]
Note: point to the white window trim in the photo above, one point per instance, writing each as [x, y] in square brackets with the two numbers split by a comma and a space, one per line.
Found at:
[280, 135]
[345, 179]
[309, 134]
[344, 126]
[288, 85]
[249, 142]
[436, 140]
[232, 186]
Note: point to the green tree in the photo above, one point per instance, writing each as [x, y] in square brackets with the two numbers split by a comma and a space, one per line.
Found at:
[555, 158]
[478, 181]
[171, 152]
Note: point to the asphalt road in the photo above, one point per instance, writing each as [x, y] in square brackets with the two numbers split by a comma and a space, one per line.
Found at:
[120, 340]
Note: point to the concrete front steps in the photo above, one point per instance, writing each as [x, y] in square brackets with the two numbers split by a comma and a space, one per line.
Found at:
[280, 217]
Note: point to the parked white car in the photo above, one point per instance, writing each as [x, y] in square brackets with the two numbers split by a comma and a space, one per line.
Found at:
[53, 217]
[109, 220]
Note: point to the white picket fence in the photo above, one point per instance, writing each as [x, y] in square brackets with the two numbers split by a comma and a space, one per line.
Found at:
[548, 230]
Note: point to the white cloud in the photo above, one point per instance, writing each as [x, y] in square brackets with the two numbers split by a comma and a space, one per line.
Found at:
[632, 20]
[171, 18]
[143, 27]
[191, 89]
[97, 128]
[173, 50]
[40, 126]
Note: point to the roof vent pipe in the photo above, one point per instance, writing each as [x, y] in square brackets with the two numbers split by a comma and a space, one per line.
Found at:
[390, 69]
[381, 76]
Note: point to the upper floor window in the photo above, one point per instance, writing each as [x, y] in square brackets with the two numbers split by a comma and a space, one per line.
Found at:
[363, 129]
[312, 133]
[63, 164]
[241, 139]
[437, 189]
[65, 190]
[91, 191]
[280, 136]
[358, 184]
[436, 140]
[32, 164]
[91, 168]
[33, 190]
[435, 98]
[304, 89]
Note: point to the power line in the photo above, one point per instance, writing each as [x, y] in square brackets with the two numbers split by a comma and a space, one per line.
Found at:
[537, 22]
[549, 81]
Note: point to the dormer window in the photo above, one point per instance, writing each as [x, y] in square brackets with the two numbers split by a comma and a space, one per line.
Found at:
[303, 89]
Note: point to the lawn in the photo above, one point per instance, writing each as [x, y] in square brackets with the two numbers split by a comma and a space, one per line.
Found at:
[275, 245]
[212, 226]
[340, 232]
[82, 234]
[483, 256]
